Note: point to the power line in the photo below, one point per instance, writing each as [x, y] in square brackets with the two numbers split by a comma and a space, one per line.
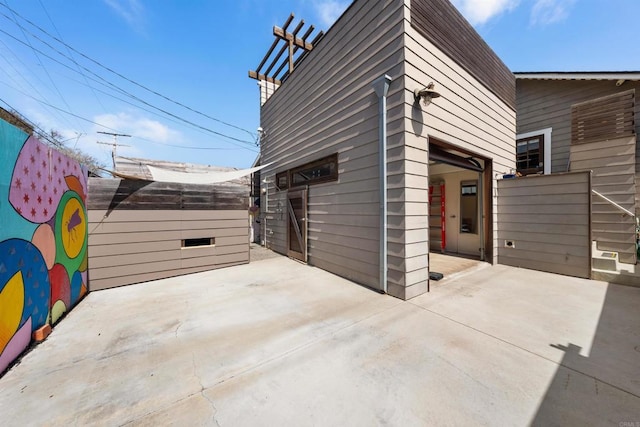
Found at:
[128, 79]
[15, 20]
[21, 74]
[36, 128]
[71, 54]
[122, 90]
[115, 130]
[165, 118]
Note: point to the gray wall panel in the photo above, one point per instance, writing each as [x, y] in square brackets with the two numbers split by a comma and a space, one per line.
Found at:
[127, 247]
[533, 214]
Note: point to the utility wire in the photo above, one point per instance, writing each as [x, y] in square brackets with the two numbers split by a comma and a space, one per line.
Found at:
[21, 74]
[28, 43]
[36, 128]
[128, 79]
[115, 130]
[123, 91]
[71, 55]
[145, 109]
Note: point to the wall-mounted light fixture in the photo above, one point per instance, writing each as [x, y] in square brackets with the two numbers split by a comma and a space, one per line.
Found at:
[426, 94]
[261, 134]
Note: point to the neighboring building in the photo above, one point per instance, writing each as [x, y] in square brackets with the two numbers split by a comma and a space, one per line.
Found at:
[144, 228]
[352, 92]
[586, 121]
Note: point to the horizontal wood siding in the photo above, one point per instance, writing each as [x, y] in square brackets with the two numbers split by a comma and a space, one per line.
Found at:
[131, 246]
[547, 217]
[149, 195]
[470, 114]
[441, 23]
[136, 229]
[547, 103]
[613, 164]
[327, 106]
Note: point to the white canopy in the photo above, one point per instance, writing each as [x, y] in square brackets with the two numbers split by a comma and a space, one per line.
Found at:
[165, 175]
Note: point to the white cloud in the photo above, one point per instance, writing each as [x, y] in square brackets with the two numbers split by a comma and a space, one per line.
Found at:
[131, 11]
[478, 12]
[545, 12]
[330, 10]
[140, 127]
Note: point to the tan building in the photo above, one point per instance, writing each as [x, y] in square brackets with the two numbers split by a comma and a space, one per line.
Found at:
[587, 121]
[351, 109]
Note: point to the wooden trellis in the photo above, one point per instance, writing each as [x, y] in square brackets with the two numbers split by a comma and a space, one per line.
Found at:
[292, 50]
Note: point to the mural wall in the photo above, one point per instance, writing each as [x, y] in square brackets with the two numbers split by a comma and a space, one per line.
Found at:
[43, 238]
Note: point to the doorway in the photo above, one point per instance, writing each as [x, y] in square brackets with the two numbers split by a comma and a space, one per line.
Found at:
[297, 225]
[459, 209]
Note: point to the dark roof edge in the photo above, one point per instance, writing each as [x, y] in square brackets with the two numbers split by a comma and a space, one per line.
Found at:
[577, 75]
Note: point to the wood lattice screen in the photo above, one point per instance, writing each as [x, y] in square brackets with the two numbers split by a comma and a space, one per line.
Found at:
[604, 118]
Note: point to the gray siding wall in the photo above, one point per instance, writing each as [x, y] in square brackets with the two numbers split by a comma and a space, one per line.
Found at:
[613, 166]
[547, 103]
[327, 105]
[129, 246]
[547, 217]
[136, 229]
[467, 115]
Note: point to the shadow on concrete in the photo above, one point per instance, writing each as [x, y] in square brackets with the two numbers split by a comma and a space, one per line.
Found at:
[601, 387]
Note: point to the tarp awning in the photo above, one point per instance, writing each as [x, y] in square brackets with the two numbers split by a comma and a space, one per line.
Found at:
[165, 175]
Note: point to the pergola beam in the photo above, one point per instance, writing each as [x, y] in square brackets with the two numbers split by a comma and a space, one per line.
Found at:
[262, 77]
[289, 37]
[291, 42]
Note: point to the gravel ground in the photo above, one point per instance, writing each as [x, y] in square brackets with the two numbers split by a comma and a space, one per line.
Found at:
[258, 253]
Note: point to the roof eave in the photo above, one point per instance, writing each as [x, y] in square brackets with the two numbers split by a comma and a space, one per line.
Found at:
[595, 75]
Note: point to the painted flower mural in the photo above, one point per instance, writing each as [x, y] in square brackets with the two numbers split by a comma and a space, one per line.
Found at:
[43, 239]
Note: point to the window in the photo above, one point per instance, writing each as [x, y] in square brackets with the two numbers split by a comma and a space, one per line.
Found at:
[322, 170]
[545, 144]
[200, 241]
[316, 172]
[282, 180]
[469, 207]
[530, 155]
[255, 184]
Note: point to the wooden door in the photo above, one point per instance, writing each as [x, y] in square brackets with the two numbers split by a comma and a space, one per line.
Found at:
[297, 225]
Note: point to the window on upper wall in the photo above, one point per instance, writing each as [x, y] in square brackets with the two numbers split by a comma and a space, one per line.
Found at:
[530, 155]
[282, 180]
[322, 170]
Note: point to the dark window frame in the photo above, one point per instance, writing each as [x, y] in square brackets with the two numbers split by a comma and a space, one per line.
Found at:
[528, 156]
[333, 176]
[198, 242]
[309, 167]
[282, 176]
[471, 226]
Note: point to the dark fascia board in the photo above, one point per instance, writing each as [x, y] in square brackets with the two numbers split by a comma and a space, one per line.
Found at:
[440, 22]
[578, 75]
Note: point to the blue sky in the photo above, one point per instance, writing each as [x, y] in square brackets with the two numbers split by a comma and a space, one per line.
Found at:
[197, 53]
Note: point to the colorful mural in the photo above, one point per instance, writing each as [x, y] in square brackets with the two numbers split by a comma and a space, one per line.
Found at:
[43, 238]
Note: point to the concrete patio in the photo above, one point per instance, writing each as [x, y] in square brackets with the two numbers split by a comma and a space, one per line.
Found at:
[276, 342]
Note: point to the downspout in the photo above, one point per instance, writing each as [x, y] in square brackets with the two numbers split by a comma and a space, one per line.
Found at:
[482, 218]
[381, 87]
